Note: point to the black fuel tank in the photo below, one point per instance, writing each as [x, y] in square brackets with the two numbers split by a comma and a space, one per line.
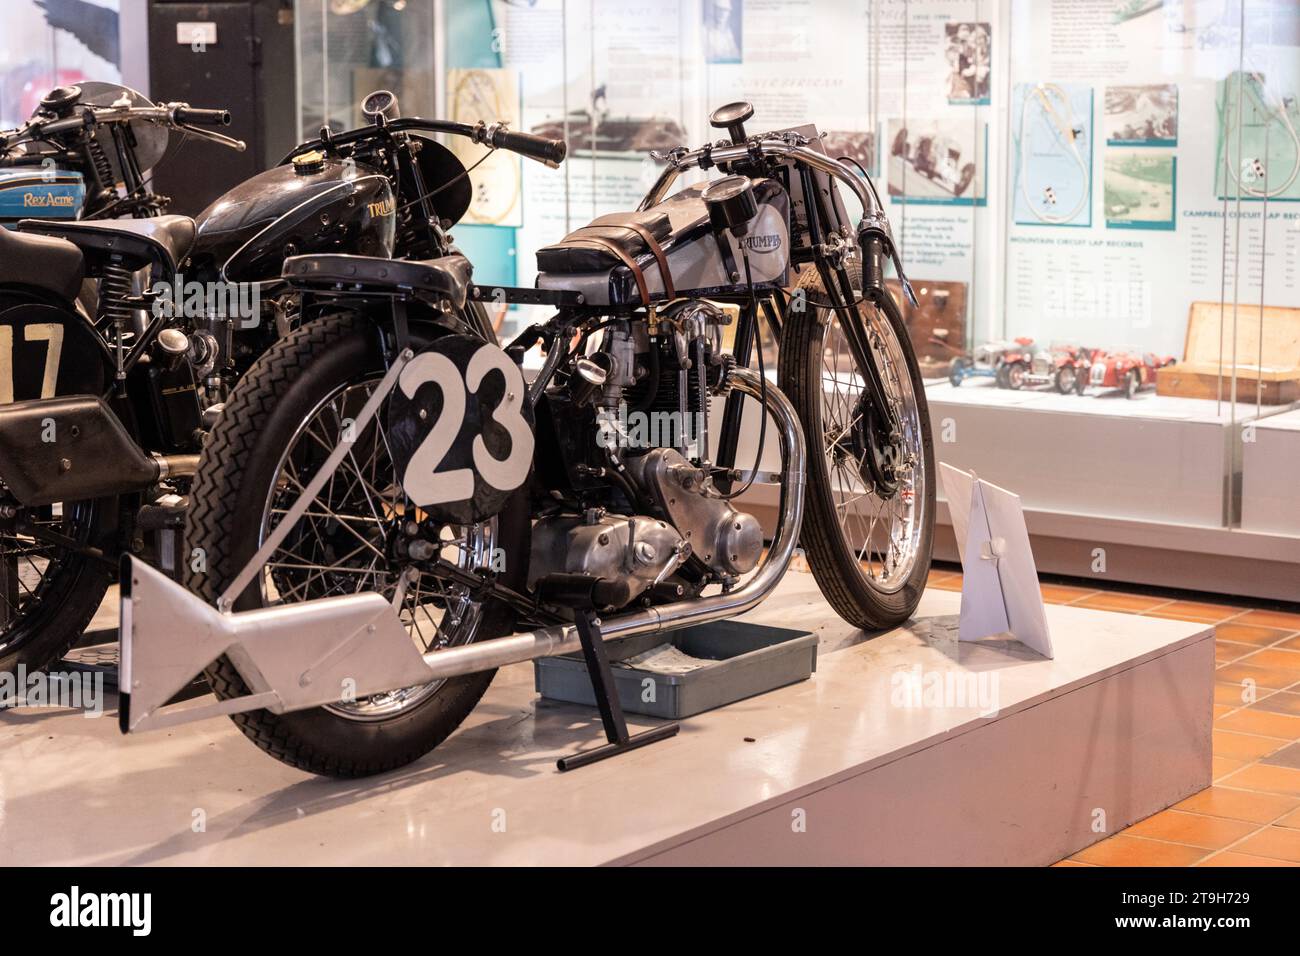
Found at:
[303, 207]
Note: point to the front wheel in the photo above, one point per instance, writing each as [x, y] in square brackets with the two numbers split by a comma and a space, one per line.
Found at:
[869, 515]
[283, 419]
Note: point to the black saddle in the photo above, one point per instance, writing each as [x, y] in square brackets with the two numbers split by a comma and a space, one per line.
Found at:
[589, 249]
[164, 241]
[42, 263]
[447, 277]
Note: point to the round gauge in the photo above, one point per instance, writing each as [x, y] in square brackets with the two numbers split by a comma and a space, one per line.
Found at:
[380, 103]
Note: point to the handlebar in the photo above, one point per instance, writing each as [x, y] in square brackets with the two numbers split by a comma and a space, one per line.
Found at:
[548, 151]
[494, 136]
[176, 115]
[186, 114]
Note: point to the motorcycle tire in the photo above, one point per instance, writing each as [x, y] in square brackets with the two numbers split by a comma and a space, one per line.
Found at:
[241, 461]
[857, 594]
[58, 609]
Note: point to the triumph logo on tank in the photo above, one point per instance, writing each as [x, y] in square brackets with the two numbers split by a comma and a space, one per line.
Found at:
[200, 300]
[762, 244]
[75, 909]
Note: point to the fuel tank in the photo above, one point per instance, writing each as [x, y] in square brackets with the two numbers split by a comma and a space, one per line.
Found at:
[313, 204]
[700, 260]
[37, 192]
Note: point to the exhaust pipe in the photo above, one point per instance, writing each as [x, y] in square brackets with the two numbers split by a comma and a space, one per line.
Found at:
[73, 448]
[313, 653]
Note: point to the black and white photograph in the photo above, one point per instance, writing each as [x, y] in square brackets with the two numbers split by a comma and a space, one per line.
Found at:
[858, 146]
[1142, 115]
[968, 52]
[723, 31]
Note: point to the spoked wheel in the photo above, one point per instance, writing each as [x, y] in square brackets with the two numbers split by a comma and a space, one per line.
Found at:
[49, 592]
[285, 417]
[869, 517]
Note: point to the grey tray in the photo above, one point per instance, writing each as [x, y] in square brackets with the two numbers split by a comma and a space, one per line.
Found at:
[731, 661]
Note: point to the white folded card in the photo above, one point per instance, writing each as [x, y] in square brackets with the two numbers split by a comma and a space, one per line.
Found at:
[999, 593]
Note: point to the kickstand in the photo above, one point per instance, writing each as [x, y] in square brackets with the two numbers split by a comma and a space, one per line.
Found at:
[611, 710]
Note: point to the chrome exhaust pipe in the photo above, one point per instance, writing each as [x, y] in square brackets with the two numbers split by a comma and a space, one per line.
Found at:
[563, 638]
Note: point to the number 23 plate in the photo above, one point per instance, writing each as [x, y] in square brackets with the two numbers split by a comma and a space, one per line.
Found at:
[461, 429]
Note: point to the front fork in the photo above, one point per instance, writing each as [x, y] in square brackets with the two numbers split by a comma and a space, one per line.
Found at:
[839, 289]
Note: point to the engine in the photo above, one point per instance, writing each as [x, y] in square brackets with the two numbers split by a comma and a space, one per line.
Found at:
[630, 416]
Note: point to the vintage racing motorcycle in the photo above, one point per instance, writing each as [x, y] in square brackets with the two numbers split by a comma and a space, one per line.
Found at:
[387, 511]
[111, 396]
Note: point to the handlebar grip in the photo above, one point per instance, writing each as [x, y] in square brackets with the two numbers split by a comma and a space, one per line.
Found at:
[548, 151]
[194, 117]
[873, 263]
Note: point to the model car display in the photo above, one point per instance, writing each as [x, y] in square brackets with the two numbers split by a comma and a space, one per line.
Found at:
[1127, 370]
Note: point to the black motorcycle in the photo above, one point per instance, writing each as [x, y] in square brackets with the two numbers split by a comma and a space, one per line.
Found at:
[385, 499]
[100, 432]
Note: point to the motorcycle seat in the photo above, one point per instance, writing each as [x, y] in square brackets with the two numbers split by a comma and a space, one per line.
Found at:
[447, 277]
[164, 241]
[41, 262]
[625, 231]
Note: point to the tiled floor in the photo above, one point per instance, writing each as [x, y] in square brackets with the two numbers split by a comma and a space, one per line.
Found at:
[1250, 816]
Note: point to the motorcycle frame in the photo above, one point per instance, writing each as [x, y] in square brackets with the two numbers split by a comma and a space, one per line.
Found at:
[293, 657]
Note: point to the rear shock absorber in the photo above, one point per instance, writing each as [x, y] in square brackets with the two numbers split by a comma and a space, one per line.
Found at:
[99, 162]
[115, 308]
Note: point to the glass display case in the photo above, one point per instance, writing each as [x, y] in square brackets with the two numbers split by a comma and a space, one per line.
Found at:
[54, 43]
[1097, 201]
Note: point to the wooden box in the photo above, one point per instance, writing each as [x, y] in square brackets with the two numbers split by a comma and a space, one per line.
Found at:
[941, 307]
[1271, 374]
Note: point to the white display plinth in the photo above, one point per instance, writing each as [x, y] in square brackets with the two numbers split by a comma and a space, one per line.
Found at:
[1270, 476]
[842, 768]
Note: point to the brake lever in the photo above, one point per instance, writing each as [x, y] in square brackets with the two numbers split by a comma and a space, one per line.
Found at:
[238, 145]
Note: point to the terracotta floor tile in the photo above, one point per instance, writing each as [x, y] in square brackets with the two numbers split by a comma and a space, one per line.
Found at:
[1272, 678]
[1288, 755]
[1291, 820]
[1262, 722]
[1192, 829]
[1233, 858]
[1278, 659]
[1247, 805]
[1245, 746]
[1286, 619]
[1283, 702]
[1226, 653]
[1229, 692]
[1291, 644]
[1119, 601]
[1221, 710]
[950, 583]
[1261, 776]
[1248, 634]
[1279, 843]
[1123, 850]
[1064, 593]
[1221, 767]
[1196, 611]
[1074, 863]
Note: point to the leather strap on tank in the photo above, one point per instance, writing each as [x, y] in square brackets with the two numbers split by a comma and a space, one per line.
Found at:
[621, 256]
[656, 250]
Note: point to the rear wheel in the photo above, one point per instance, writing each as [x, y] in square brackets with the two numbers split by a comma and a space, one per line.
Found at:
[1132, 383]
[280, 424]
[869, 515]
[1066, 379]
[1015, 375]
